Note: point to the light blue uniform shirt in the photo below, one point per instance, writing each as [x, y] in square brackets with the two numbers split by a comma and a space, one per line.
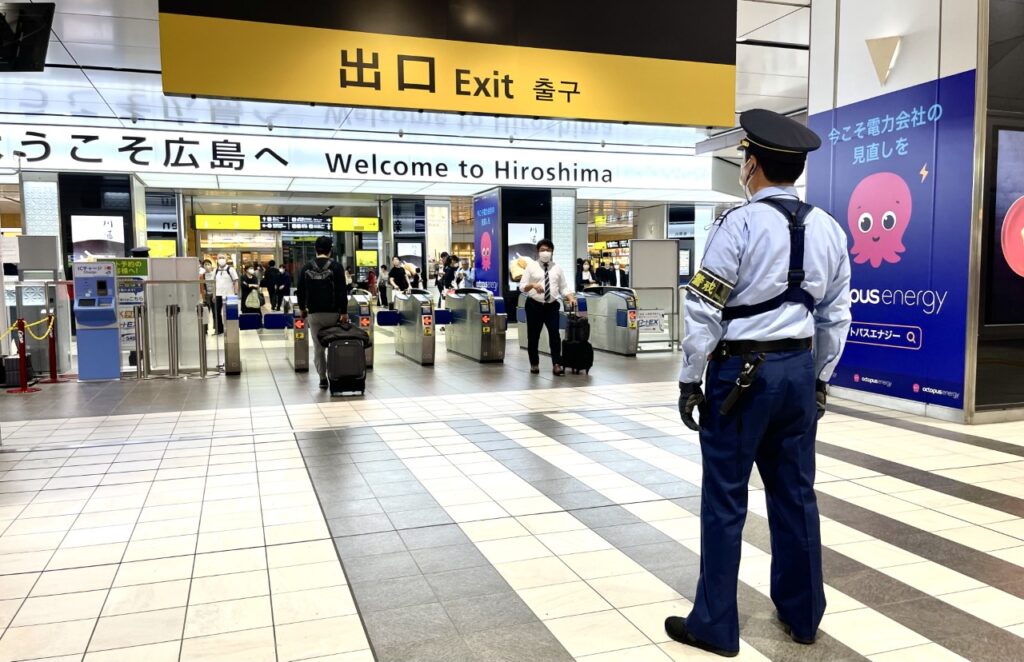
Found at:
[749, 249]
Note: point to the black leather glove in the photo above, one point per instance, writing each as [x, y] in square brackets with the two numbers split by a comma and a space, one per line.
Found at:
[820, 395]
[690, 398]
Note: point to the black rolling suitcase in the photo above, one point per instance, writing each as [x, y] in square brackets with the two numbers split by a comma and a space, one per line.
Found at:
[346, 366]
[346, 357]
[577, 352]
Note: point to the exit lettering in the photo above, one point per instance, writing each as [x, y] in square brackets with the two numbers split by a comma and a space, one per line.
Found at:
[493, 86]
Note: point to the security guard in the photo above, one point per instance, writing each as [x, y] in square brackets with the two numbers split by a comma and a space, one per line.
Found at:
[767, 315]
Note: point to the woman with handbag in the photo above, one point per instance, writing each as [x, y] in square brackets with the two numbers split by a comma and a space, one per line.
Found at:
[252, 298]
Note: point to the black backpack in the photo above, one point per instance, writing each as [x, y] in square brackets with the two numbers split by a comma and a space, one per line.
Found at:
[320, 287]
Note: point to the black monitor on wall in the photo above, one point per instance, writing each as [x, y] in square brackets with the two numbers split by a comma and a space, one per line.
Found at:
[24, 35]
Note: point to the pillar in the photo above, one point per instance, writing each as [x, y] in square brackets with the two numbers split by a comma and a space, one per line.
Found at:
[893, 93]
[564, 231]
[651, 223]
[439, 229]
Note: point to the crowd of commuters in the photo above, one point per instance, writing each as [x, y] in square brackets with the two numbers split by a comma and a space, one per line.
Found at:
[605, 273]
[262, 288]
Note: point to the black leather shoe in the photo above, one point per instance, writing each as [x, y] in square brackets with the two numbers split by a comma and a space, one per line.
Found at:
[323, 384]
[675, 627]
[789, 631]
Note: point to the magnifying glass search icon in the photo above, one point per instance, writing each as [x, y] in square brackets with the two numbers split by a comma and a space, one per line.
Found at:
[912, 336]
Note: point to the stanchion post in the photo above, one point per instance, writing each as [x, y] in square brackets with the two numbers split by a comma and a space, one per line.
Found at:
[139, 342]
[23, 361]
[52, 338]
[201, 316]
[172, 340]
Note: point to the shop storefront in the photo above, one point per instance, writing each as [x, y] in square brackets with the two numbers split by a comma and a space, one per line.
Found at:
[288, 240]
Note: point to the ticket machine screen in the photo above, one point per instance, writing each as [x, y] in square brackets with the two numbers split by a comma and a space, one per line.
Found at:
[101, 288]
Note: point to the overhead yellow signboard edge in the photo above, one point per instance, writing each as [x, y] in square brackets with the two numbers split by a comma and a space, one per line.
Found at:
[273, 62]
[227, 222]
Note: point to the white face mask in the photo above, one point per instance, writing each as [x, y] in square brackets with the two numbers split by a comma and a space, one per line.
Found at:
[544, 257]
[221, 261]
[251, 272]
[745, 179]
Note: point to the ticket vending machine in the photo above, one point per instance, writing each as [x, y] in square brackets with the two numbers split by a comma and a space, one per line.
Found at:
[95, 308]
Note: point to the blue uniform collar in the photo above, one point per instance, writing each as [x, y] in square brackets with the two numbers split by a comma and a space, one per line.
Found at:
[773, 191]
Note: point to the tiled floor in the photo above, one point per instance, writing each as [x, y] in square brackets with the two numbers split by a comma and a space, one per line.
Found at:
[471, 513]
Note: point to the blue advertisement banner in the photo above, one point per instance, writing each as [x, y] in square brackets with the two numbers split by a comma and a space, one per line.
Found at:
[487, 236]
[896, 171]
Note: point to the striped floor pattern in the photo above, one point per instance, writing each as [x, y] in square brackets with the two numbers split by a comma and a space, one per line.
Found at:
[561, 527]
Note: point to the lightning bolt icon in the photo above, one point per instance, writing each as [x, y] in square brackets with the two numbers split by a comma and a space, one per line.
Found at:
[924, 172]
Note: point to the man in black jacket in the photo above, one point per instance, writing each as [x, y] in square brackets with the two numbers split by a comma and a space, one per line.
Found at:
[619, 277]
[272, 282]
[323, 299]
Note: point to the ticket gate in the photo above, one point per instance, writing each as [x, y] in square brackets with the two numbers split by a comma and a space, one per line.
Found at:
[414, 320]
[360, 314]
[297, 342]
[544, 346]
[612, 313]
[478, 325]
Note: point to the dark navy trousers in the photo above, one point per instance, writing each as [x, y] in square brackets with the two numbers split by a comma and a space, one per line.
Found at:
[773, 425]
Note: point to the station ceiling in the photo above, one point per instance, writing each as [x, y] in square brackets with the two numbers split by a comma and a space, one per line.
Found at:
[103, 68]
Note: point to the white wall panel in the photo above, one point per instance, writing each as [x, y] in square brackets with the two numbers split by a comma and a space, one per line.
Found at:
[821, 86]
[959, 36]
[939, 39]
[917, 21]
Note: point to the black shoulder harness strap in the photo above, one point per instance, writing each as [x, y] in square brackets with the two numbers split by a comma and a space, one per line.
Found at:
[796, 213]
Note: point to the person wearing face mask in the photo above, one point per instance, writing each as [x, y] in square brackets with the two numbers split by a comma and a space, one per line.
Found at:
[226, 284]
[207, 287]
[767, 315]
[251, 290]
[586, 276]
[544, 285]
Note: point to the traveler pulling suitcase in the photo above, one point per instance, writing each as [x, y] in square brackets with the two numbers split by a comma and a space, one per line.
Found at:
[577, 352]
[346, 357]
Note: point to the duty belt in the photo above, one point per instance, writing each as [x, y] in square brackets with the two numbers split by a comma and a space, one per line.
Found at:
[726, 349]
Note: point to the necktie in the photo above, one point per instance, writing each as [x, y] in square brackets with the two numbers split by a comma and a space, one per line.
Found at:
[547, 284]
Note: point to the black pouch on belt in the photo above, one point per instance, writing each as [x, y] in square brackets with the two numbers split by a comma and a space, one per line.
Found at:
[743, 382]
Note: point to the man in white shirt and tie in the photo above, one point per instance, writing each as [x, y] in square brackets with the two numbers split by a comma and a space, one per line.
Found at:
[544, 284]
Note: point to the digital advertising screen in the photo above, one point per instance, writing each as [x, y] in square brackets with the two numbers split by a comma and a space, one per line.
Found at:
[522, 248]
[366, 258]
[1004, 288]
[487, 237]
[410, 252]
[96, 237]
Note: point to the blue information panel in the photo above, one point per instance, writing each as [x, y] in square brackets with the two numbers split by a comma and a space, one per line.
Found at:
[487, 234]
[896, 171]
